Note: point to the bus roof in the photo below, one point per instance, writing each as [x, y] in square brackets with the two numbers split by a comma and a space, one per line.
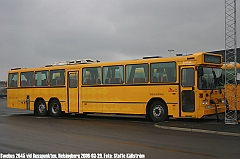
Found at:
[193, 58]
[230, 65]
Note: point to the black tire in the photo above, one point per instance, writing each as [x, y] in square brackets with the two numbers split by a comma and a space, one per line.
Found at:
[41, 108]
[158, 111]
[55, 108]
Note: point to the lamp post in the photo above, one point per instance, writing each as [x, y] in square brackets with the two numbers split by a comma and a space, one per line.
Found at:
[170, 50]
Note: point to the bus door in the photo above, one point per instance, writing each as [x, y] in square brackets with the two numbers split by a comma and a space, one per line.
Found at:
[73, 92]
[187, 93]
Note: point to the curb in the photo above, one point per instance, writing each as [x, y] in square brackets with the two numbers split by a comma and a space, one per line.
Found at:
[198, 130]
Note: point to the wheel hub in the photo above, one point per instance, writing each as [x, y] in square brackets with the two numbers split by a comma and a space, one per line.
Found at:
[55, 108]
[158, 111]
[42, 108]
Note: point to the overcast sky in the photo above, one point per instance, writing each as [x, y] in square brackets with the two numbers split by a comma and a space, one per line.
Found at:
[34, 33]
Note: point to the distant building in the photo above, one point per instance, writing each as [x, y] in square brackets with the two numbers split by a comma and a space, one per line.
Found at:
[3, 89]
[222, 52]
[3, 83]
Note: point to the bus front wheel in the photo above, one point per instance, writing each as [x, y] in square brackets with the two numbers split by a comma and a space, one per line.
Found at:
[158, 111]
[41, 108]
[55, 108]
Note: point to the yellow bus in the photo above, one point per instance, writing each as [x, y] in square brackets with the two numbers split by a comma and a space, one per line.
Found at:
[230, 85]
[3, 90]
[159, 88]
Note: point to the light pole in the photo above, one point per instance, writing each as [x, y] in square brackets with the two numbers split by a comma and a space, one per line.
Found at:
[170, 51]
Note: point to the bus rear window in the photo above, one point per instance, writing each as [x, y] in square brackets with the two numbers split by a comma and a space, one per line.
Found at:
[13, 80]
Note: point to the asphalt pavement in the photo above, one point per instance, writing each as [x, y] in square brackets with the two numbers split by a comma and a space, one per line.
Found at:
[208, 124]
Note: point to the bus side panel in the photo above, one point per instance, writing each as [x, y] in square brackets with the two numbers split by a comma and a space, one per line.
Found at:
[12, 98]
[113, 99]
[17, 97]
[170, 95]
[48, 93]
[128, 99]
[92, 100]
[138, 97]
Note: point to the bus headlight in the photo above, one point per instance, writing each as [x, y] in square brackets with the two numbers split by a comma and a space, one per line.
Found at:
[223, 100]
[205, 102]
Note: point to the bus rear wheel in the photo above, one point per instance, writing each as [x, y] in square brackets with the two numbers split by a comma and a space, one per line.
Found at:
[158, 111]
[41, 108]
[55, 108]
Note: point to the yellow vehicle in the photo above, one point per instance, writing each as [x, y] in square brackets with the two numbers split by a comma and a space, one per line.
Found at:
[230, 85]
[3, 90]
[159, 88]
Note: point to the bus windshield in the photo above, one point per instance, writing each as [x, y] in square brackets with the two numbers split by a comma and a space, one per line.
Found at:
[210, 78]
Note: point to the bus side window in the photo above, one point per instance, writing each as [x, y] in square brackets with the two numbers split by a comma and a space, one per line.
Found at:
[163, 72]
[87, 81]
[95, 75]
[53, 82]
[91, 75]
[13, 83]
[41, 78]
[154, 79]
[13, 80]
[187, 77]
[27, 79]
[137, 73]
[162, 78]
[57, 77]
[85, 77]
[73, 82]
[59, 81]
[24, 83]
[113, 74]
[44, 82]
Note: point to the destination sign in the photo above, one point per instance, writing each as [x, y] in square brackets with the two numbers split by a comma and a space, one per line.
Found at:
[212, 59]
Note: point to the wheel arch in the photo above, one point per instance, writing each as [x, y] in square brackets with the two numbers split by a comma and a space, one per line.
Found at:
[150, 102]
[35, 103]
[53, 98]
[49, 105]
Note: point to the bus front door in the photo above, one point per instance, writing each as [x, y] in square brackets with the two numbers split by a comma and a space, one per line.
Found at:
[73, 92]
[187, 94]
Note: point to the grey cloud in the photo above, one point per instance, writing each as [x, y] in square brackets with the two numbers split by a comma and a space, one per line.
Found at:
[36, 33]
